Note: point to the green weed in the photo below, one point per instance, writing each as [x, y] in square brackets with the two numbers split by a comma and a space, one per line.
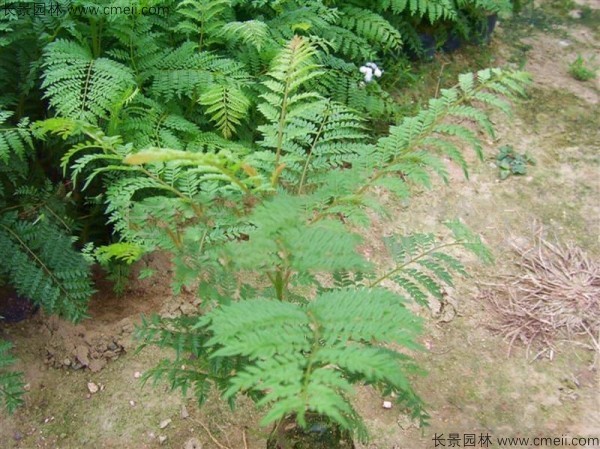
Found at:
[581, 69]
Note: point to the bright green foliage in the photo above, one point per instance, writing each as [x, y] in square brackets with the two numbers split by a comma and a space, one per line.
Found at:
[284, 238]
[308, 133]
[411, 146]
[11, 382]
[305, 137]
[439, 18]
[288, 251]
[486, 6]
[253, 33]
[306, 358]
[116, 259]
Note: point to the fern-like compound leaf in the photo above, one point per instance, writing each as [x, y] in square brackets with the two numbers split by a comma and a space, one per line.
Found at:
[80, 86]
[14, 140]
[226, 106]
[44, 266]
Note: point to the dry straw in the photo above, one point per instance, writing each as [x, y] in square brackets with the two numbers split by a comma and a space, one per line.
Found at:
[555, 297]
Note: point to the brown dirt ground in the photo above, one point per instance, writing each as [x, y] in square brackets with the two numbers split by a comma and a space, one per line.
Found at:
[472, 386]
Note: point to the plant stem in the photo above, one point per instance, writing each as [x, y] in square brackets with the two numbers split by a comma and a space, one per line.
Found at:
[312, 147]
[278, 284]
[413, 260]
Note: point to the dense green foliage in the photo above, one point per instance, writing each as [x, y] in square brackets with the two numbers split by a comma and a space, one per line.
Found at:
[38, 258]
[236, 135]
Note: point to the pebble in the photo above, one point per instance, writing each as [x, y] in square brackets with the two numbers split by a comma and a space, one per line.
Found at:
[132, 403]
[164, 423]
[77, 365]
[92, 387]
[387, 404]
[27, 387]
[184, 413]
[162, 439]
[137, 374]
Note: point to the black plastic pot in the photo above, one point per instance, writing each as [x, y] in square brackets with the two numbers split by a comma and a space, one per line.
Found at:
[481, 35]
[427, 50]
[483, 30]
[319, 434]
[428, 45]
[453, 43]
[15, 308]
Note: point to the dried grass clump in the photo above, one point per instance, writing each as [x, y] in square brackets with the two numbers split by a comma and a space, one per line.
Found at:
[556, 297]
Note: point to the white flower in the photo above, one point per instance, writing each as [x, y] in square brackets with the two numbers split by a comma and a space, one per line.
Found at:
[370, 69]
[368, 72]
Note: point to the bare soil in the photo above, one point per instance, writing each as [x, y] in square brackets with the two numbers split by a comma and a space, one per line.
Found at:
[472, 387]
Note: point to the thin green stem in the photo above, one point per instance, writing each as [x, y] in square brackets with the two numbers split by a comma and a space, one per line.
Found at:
[283, 116]
[411, 261]
[316, 345]
[279, 285]
[312, 147]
